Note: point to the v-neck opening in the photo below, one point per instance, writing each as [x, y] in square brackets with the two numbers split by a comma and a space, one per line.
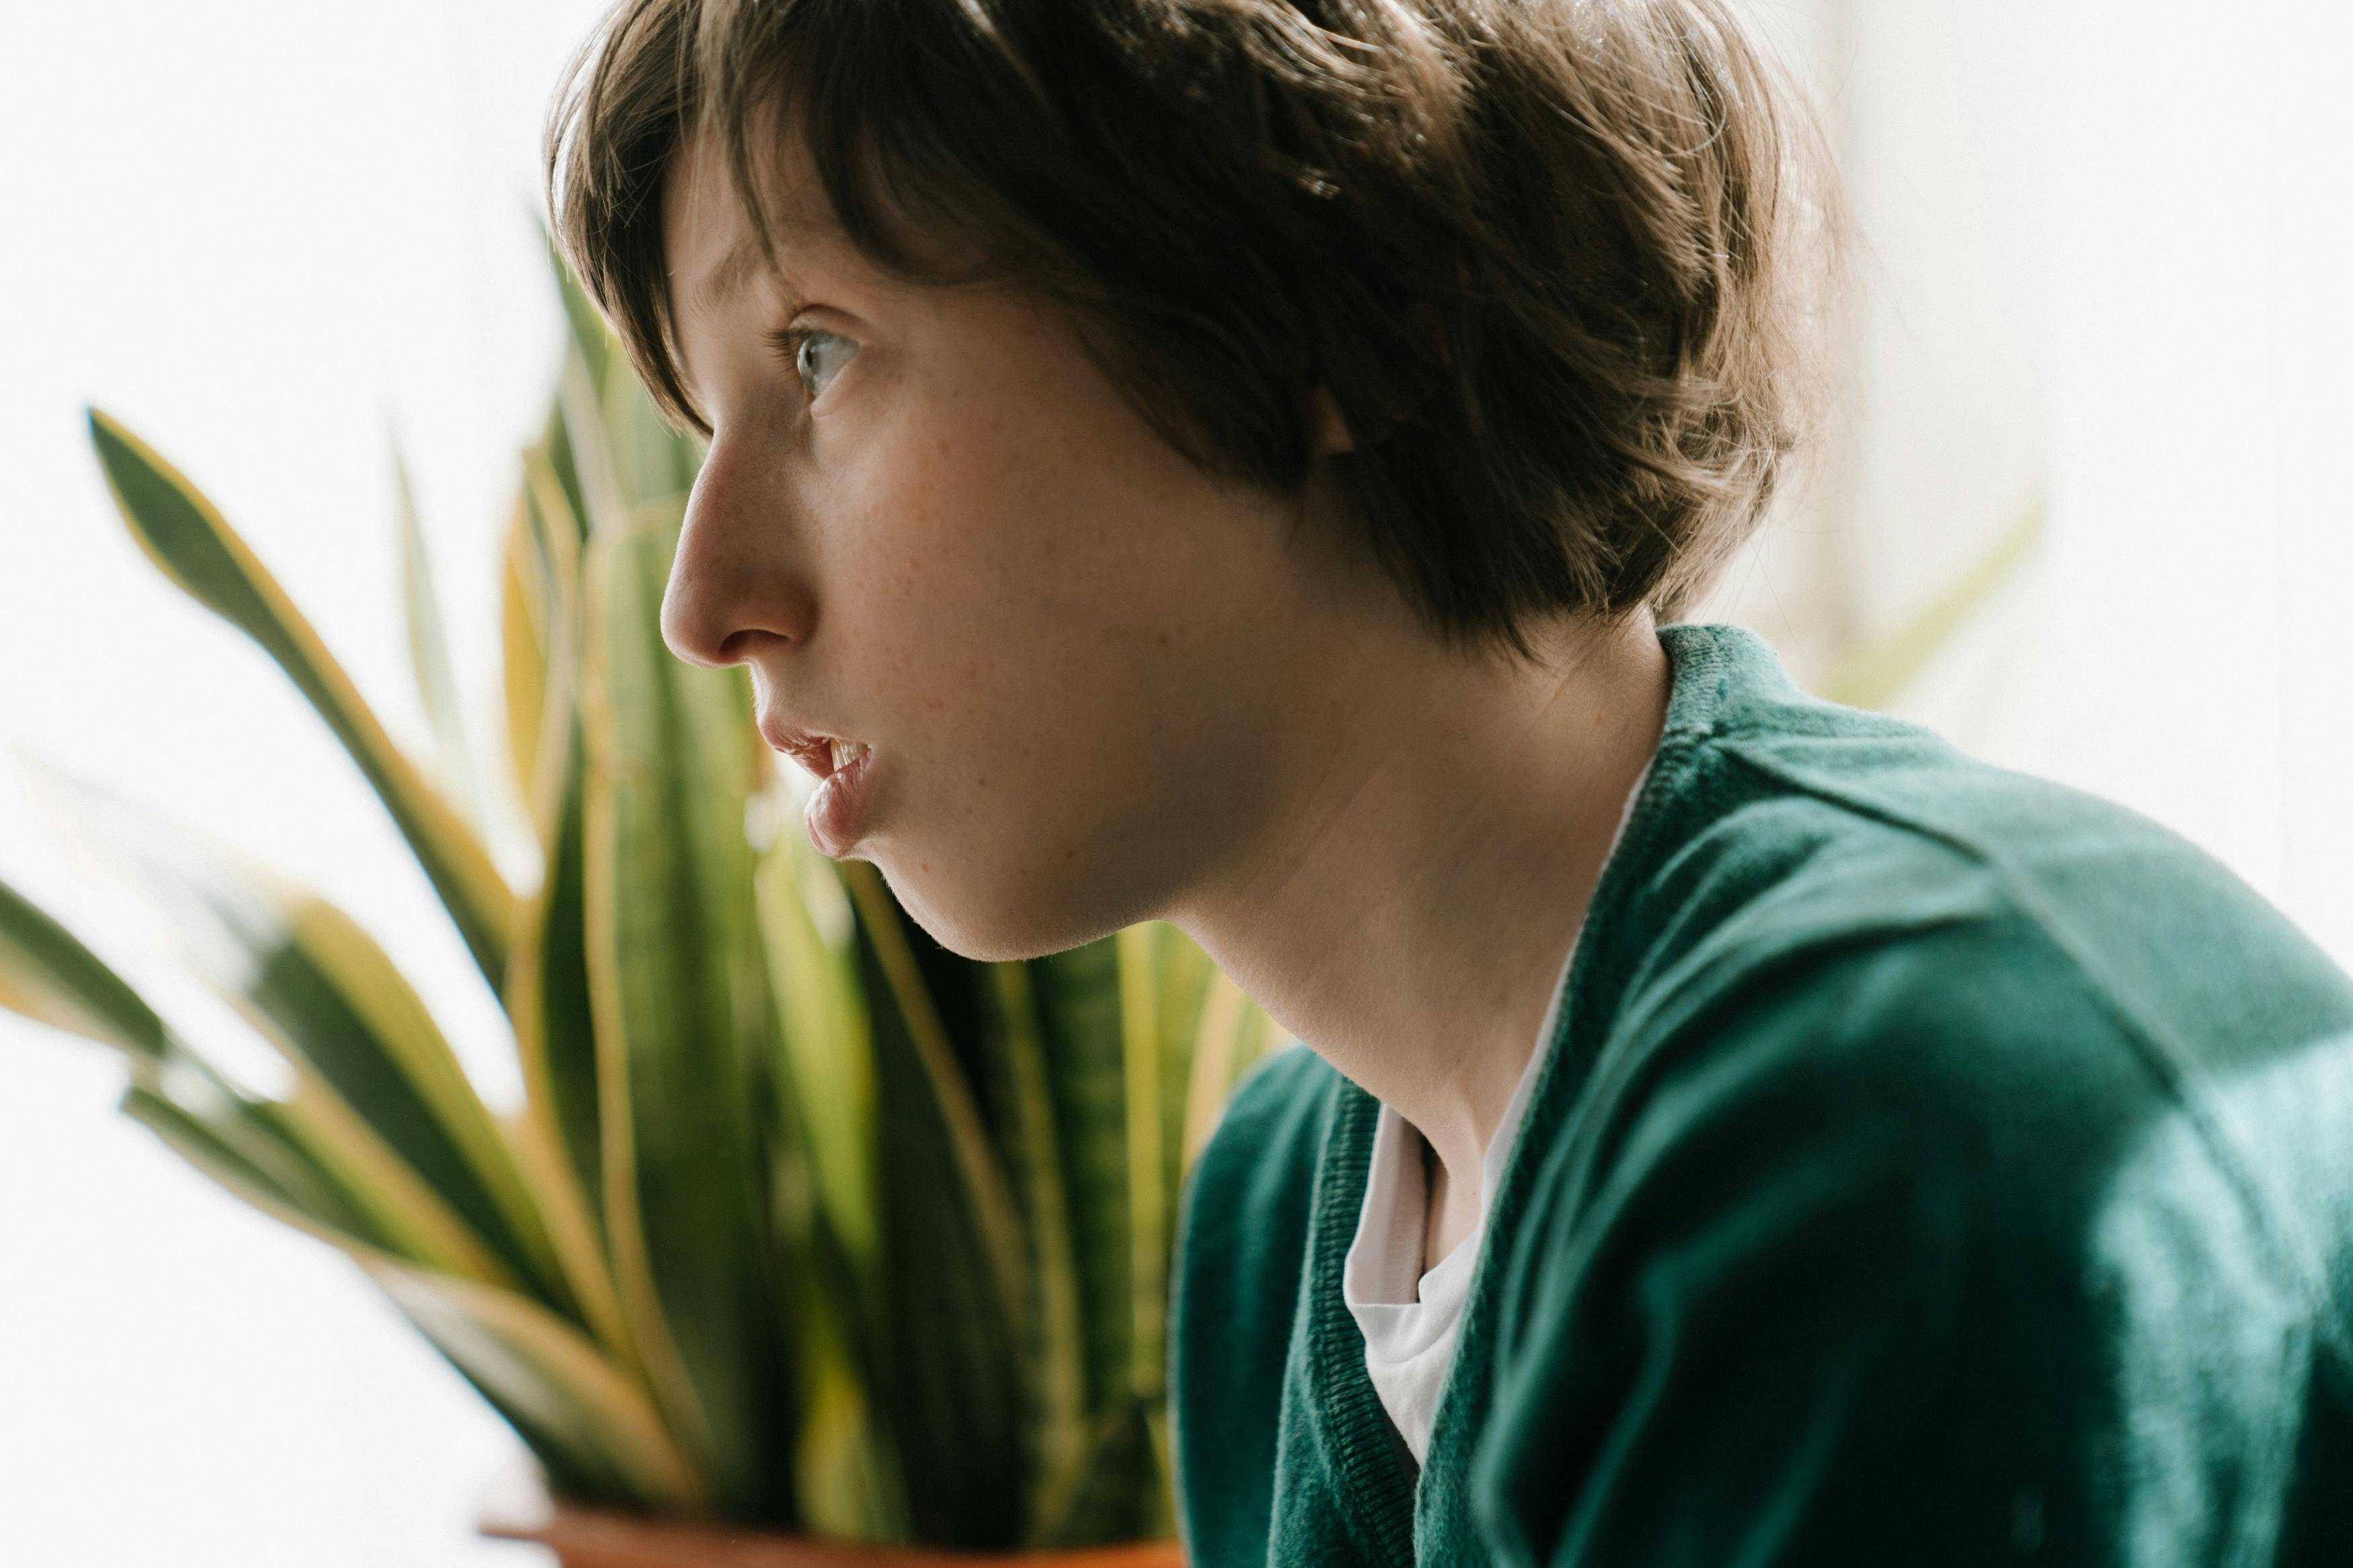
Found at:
[1378, 1480]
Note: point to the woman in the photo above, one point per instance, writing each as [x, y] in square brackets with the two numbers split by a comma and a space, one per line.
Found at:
[1229, 463]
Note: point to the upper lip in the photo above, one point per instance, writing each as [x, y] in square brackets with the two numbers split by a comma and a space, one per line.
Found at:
[813, 748]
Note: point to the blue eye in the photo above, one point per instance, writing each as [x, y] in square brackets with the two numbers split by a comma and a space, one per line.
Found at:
[819, 358]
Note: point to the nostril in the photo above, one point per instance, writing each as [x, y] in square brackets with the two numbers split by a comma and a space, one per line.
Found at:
[740, 648]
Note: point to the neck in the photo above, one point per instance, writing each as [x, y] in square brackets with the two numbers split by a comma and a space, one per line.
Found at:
[1434, 826]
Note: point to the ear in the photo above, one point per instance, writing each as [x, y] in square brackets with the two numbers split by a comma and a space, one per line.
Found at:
[1328, 435]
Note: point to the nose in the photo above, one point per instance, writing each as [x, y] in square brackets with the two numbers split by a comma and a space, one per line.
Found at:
[735, 586]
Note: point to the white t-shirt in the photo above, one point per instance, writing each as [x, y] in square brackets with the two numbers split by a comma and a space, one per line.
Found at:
[1409, 1317]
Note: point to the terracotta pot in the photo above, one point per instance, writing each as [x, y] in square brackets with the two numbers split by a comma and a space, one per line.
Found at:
[596, 1537]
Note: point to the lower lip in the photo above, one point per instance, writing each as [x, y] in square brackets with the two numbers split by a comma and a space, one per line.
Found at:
[836, 813]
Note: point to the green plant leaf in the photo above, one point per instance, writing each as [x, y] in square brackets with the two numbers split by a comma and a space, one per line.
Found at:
[824, 1035]
[186, 536]
[48, 975]
[1162, 978]
[548, 989]
[1062, 1434]
[949, 1361]
[1233, 1033]
[649, 460]
[677, 988]
[845, 1469]
[553, 1383]
[600, 499]
[559, 1134]
[1121, 1021]
[429, 655]
[652, 461]
[550, 999]
[543, 643]
[973, 1161]
[319, 990]
[250, 1136]
[585, 1418]
[593, 339]
[524, 613]
[1077, 994]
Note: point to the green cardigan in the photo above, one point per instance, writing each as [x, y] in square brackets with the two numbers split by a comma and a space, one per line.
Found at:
[1932, 1166]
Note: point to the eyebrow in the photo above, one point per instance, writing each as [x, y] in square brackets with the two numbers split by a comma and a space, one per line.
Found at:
[735, 268]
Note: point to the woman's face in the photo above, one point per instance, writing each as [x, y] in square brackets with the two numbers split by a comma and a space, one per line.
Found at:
[933, 528]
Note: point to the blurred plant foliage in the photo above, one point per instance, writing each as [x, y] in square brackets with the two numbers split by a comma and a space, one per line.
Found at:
[804, 1221]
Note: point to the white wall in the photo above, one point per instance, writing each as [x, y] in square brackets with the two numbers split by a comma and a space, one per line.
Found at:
[2105, 258]
[2109, 237]
[2177, 199]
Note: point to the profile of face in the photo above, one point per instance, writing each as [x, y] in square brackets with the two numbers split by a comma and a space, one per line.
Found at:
[1065, 661]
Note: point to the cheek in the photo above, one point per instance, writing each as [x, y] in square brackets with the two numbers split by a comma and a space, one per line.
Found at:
[1055, 620]
[979, 545]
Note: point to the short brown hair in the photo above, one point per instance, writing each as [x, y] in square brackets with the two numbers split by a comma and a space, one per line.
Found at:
[1548, 255]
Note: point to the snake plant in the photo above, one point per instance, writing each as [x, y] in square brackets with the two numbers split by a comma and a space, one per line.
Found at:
[804, 1221]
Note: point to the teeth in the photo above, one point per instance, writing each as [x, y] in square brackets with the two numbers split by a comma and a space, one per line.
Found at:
[846, 753]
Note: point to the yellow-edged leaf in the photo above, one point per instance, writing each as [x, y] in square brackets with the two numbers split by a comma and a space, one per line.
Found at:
[953, 1314]
[429, 655]
[1233, 1034]
[976, 1162]
[548, 989]
[326, 995]
[1061, 1426]
[186, 536]
[604, 500]
[585, 1416]
[551, 1380]
[1147, 1196]
[678, 990]
[523, 651]
[48, 975]
[823, 1031]
[399, 1206]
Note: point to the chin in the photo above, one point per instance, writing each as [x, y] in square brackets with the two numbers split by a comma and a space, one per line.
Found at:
[1000, 918]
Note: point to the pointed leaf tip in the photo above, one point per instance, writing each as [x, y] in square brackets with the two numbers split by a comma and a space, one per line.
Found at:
[193, 544]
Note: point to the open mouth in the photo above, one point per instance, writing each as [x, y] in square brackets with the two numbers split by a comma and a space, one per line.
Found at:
[836, 811]
[822, 755]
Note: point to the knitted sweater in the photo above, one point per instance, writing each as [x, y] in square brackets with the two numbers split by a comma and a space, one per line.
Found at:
[1933, 1165]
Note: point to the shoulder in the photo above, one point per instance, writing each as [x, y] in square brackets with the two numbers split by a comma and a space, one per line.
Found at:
[1931, 1122]
[1984, 1043]
[1815, 863]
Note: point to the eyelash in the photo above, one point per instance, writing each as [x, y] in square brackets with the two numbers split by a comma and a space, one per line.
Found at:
[785, 343]
[788, 344]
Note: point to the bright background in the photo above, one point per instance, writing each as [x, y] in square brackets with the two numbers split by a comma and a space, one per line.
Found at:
[2108, 269]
